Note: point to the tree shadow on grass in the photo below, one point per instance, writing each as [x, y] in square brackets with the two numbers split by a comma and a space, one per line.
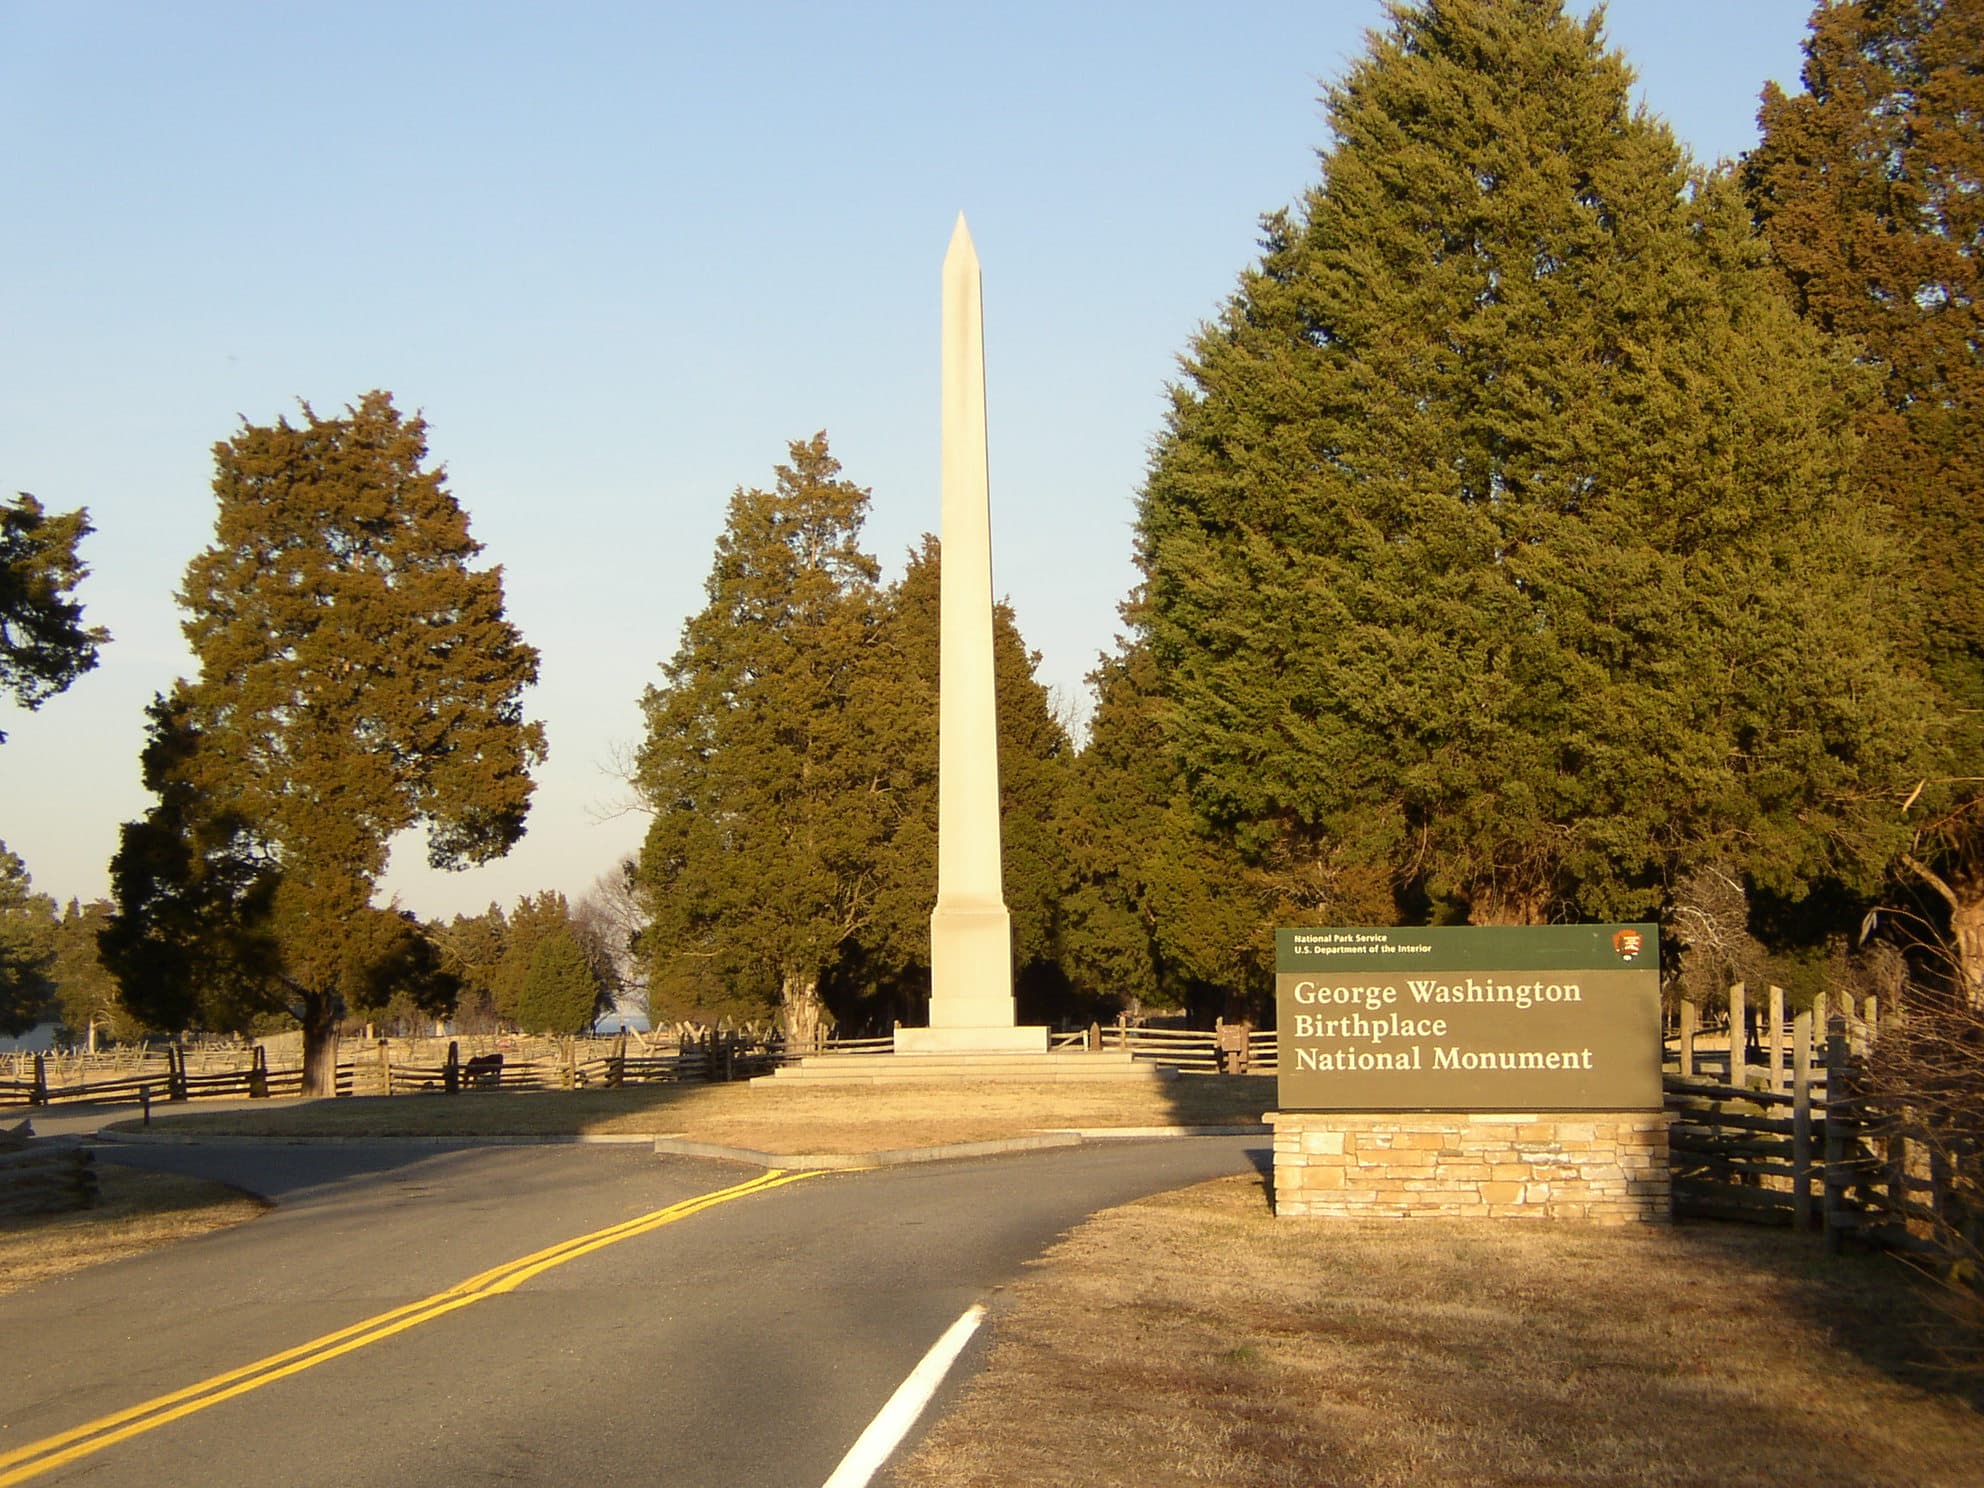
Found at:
[1873, 1304]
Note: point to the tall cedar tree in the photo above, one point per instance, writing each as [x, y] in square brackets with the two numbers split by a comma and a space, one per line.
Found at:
[27, 948]
[1502, 533]
[1869, 186]
[893, 951]
[761, 765]
[357, 678]
[1156, 912]
[44, 645]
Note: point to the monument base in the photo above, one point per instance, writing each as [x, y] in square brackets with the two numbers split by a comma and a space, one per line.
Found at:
[982, 1040]
[1604, 1167]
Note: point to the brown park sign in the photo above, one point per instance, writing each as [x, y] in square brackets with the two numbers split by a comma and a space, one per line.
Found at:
[1469, 1018]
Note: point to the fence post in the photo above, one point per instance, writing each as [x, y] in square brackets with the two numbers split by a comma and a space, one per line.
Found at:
[1690, 1016]
[258, 1075]
[1776, 995]
[38, 1096]
[616, 1063]
[1095, 1038]
[175, 1072]
[1739, 1044]
[1942, 1193]
[385, 1070]
[451, 1072]
[1801, 1119]
[1897, 1176]
[1839, 1118]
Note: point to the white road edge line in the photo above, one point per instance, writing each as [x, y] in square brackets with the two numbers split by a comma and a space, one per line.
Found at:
[886, 1431]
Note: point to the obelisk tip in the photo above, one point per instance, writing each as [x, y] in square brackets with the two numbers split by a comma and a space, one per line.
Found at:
[961, 239]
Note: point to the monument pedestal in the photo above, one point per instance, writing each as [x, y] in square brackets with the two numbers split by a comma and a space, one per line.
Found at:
[983, 1038]
[919, 1062]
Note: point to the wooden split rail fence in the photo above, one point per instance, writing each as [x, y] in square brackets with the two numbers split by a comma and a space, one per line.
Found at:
[705, 1056]
[43, 1180]
[699, 1055]
[1825, 1153]
[1229, 1048]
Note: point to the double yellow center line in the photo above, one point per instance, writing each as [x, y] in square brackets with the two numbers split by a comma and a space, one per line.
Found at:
[78, 1442]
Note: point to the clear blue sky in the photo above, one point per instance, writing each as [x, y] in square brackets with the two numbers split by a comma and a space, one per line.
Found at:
[619, 255]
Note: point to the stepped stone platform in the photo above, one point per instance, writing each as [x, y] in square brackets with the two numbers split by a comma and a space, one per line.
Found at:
[1064, 1065]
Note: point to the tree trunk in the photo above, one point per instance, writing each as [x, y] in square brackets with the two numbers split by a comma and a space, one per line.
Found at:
[799, 1012]
[1967, 930]
[1493, 905]
[1963, 892]
[320, 1045]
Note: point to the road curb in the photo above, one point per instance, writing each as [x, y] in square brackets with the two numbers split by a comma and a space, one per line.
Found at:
[1105, 1133]
[175, 1139]
[682, 1147]
[894, 1157]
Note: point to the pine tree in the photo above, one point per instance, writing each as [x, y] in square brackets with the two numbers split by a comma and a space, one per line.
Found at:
[357, 678]
[1502, 533]
[761, 763]
[44, 645]
[1869, 186]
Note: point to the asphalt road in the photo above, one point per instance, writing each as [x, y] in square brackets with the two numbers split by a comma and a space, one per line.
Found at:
[747, 1344]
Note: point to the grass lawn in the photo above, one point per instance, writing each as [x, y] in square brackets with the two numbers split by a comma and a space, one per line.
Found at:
[138, 1211]
[1193, 1338]
[778, 1118]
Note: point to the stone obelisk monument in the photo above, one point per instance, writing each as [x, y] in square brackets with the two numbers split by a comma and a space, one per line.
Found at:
[971, 943]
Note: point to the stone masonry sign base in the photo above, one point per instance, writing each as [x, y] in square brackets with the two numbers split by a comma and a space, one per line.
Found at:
[1604, 1167]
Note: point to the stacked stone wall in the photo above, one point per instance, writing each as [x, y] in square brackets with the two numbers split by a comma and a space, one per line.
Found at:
[1608, 1167]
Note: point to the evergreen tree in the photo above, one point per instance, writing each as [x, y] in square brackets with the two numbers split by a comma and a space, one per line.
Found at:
[561, 991]
[1869, 186]
[357, 678]
[1157, 912]
[1502, 535]
[44, 645]
[536, 920]
[472, 950]
[27, 948]
[91, 1002]
[761, 764]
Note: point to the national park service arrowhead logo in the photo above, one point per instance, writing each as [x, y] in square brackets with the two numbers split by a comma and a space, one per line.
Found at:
[1628, 944]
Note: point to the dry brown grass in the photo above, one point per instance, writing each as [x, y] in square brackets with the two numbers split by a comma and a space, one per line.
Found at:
[1193, 1338]
[139, 1211]
[780, 1118]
